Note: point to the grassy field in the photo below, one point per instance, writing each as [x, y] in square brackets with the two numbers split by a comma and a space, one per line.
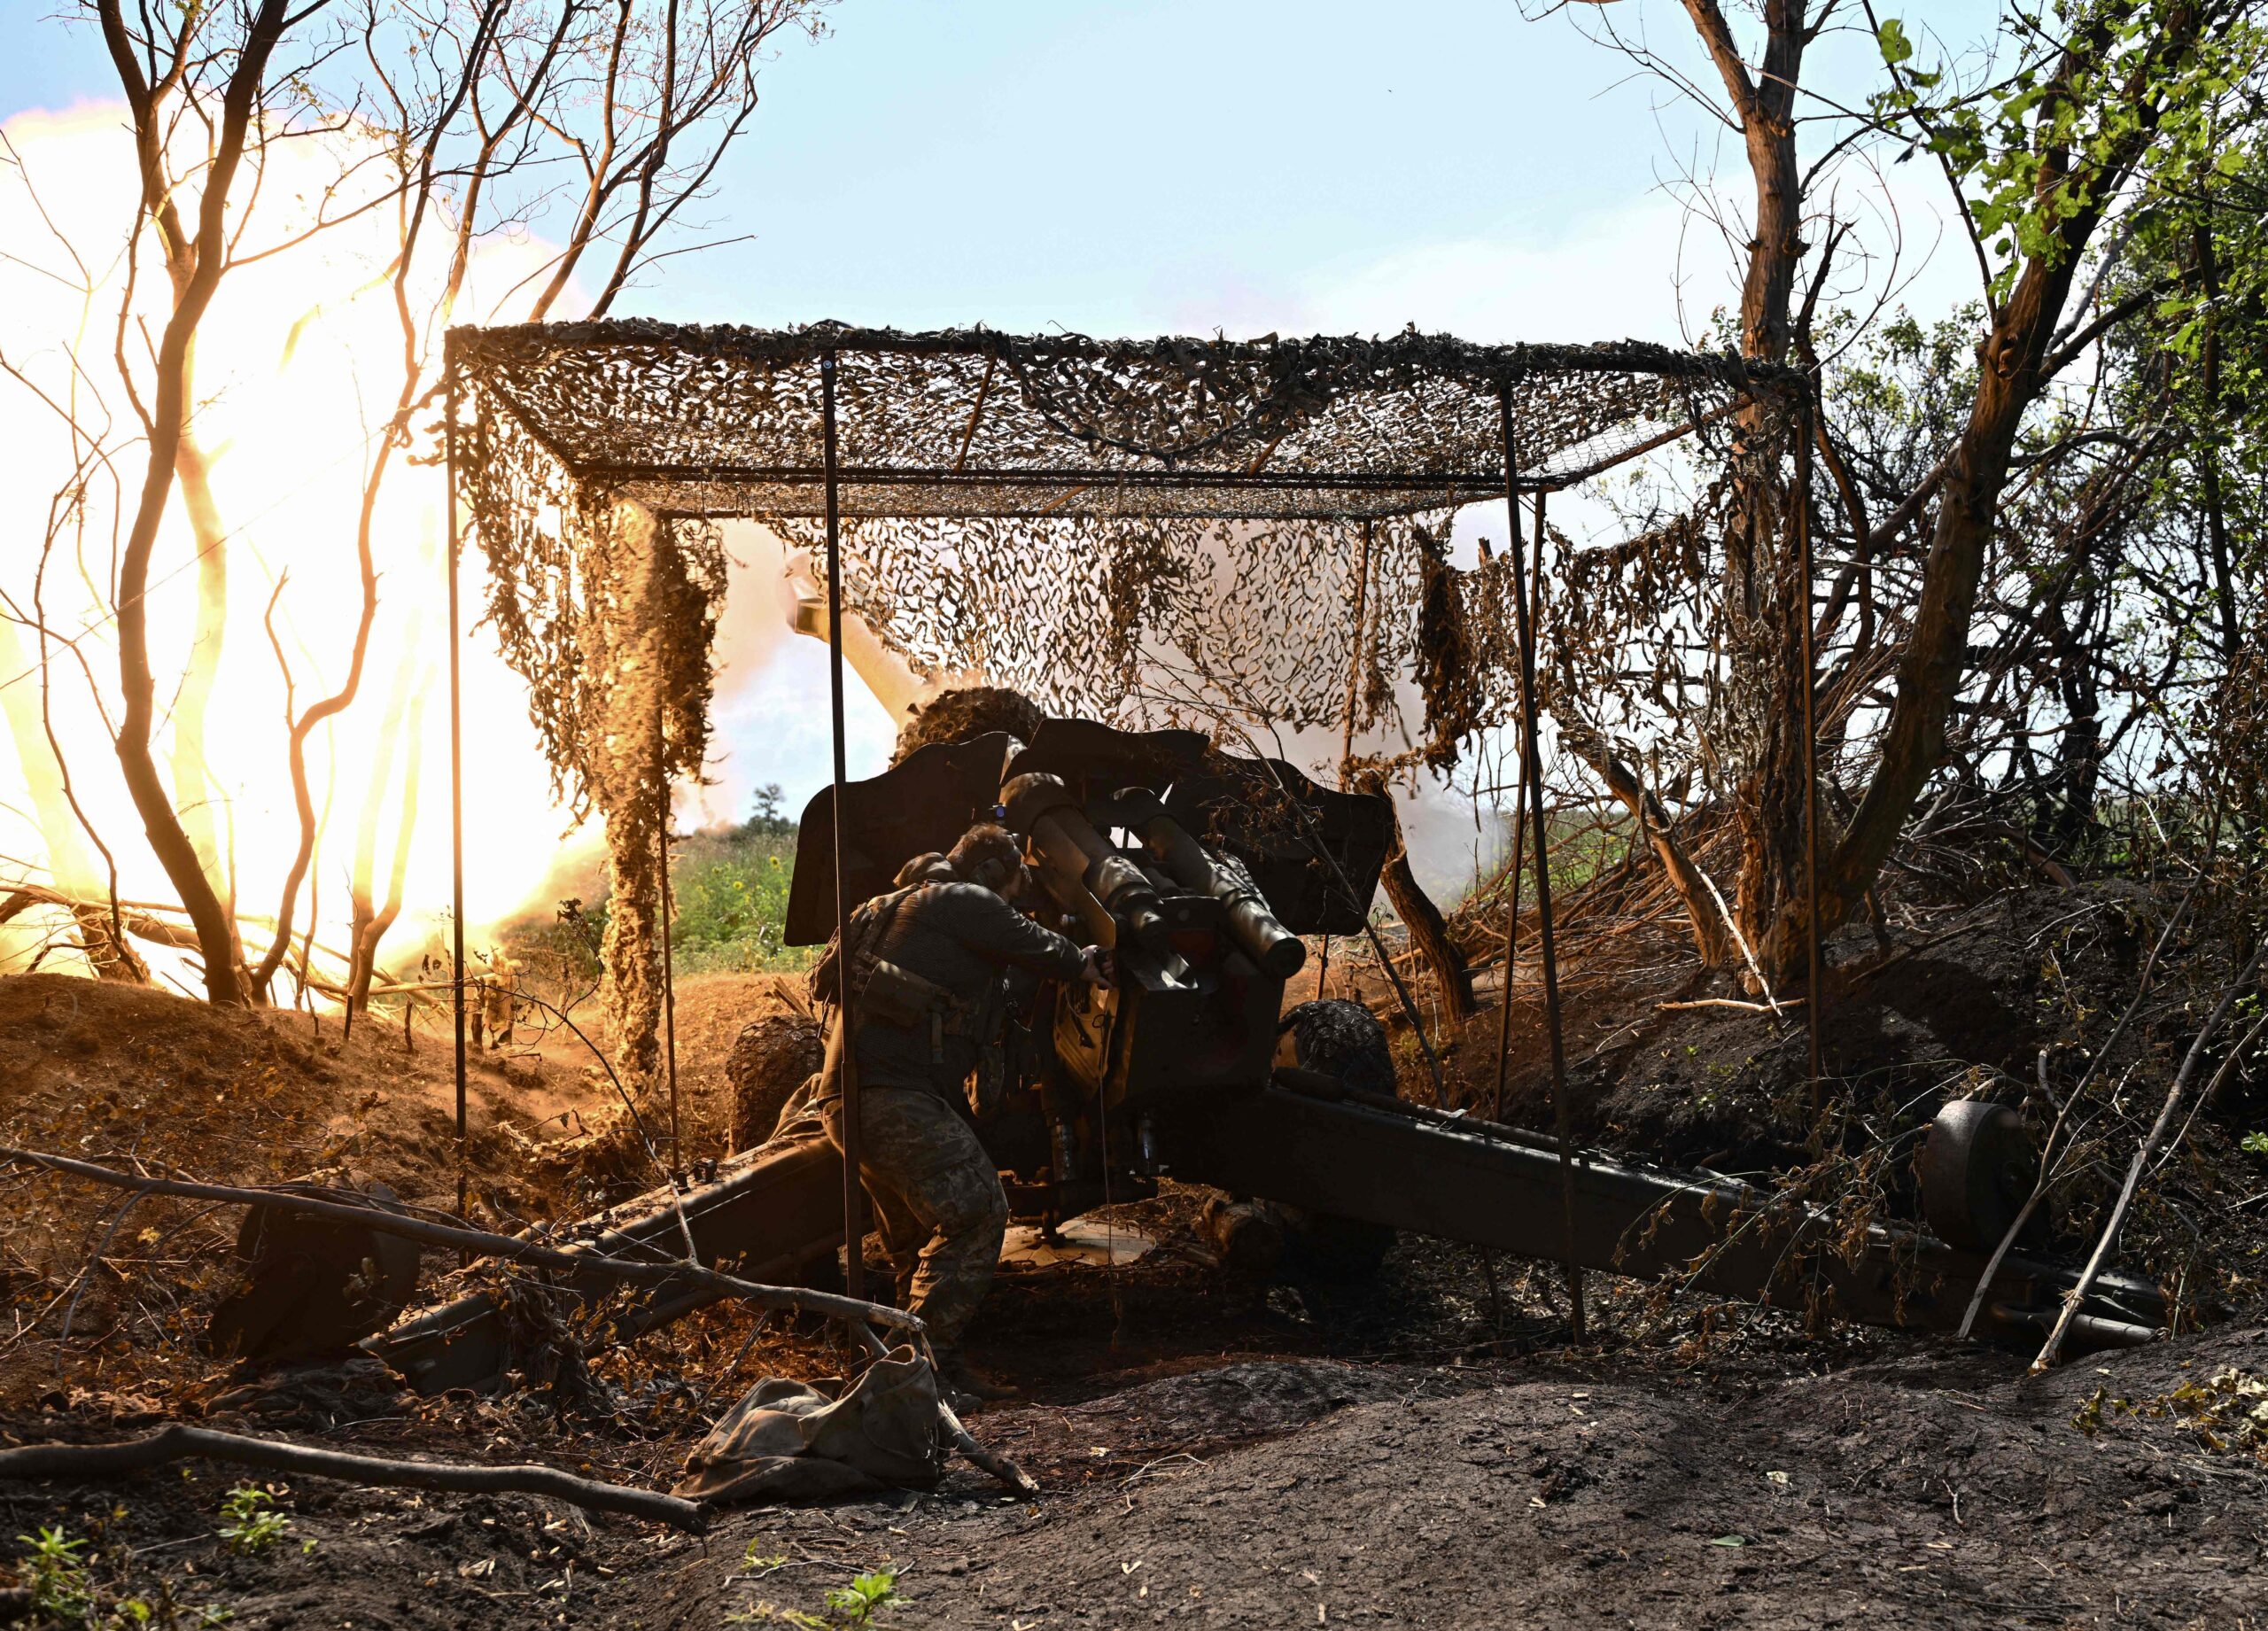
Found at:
[730, 889]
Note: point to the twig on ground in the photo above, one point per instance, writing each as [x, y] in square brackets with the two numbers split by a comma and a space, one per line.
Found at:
[1736, 1003]
[176, 1442]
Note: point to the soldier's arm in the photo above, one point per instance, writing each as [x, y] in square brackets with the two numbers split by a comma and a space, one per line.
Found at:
[995, 930]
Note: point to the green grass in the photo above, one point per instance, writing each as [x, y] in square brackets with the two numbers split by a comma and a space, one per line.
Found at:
[729, 888]
[731, 893]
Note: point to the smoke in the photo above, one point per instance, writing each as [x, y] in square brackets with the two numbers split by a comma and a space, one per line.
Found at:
[295, 371]
[770, 719]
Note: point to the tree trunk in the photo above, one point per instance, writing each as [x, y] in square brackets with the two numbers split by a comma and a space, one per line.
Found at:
[1429, 933]
[368, 923]
[1762, 598]
[193, 786]
[1929, 672]
[1710, 935]
[215, 932]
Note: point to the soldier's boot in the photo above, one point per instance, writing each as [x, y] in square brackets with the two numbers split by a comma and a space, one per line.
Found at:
[964, 1386]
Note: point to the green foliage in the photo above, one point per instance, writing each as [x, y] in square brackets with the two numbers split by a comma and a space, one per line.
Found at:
[252, 1524]
[57, 1576]
[730, 890]
[2043, 135]
[866, 1595]
[849, 1608]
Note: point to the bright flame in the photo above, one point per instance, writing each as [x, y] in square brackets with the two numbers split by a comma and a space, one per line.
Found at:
[296, 364]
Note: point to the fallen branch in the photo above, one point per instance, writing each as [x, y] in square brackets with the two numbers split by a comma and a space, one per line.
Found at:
[998, 1465]
[2053, 1346]
[1731, 1002]
[180, 1443]
[481, 1243]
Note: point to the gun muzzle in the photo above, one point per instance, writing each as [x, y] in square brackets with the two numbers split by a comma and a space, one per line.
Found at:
[1276, 951]
[1042, 808]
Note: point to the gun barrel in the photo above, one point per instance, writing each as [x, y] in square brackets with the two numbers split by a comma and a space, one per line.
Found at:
[1279, 952]
[1043, 809]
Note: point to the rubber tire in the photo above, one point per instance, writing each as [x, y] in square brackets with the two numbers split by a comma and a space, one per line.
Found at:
[1343, 1039]
[1977, 1166]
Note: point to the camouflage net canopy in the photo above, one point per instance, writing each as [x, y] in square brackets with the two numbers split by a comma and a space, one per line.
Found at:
[1140, 531]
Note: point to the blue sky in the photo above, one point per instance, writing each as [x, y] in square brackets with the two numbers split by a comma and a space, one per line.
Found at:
[1134, 166]
[1115, 167]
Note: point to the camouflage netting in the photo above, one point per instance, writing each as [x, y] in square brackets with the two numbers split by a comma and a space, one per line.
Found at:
[1145, 531]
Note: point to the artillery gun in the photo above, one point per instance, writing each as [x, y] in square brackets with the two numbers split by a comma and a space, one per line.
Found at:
[1201, 871]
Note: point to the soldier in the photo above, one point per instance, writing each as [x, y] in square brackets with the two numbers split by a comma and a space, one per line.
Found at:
[496, 1006]
[925, 957]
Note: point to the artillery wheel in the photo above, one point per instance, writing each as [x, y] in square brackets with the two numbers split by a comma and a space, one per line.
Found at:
[1977, 1168]
[1343, 1039]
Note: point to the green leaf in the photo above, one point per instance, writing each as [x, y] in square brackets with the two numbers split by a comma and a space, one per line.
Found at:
[1730, 1540]
[1896, 48]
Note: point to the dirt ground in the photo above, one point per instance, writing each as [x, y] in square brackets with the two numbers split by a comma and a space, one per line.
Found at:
[1913, 1486]
[1421, 1449]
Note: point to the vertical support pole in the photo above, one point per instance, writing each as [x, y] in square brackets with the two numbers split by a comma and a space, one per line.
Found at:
[1531, 771]
[456, 784]
[854, 1199]
[1818, 990]
[669, 979]
[1354, 699]
[1519, 832]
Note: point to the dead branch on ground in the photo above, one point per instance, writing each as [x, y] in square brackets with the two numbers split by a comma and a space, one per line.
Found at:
[372, 1214]
[176, 1442]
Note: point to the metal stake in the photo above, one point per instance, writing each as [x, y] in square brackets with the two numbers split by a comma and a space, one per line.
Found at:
[1531, 769]
[457, 788]
[1810, 739]
[854, 1211]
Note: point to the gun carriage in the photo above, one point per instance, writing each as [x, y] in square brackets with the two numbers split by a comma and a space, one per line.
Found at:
[1200, 871]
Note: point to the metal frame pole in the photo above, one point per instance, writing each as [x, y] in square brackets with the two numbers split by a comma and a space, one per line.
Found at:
[854, 1209]
[1532, 772]
[456, 785]
[1520, 842]
[1353, 692]
[1817, 992]
[669, 974]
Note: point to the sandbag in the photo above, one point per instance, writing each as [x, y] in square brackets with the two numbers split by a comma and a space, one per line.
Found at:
[788, 1441]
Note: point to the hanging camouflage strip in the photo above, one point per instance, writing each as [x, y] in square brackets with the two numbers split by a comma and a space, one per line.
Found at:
[1132, 529]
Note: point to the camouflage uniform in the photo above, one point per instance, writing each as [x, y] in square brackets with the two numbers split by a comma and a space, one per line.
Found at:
[930, 1178]
[918, 1154]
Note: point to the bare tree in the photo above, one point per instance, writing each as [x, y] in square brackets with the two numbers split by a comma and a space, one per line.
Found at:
[456, 122]
[216, 59]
